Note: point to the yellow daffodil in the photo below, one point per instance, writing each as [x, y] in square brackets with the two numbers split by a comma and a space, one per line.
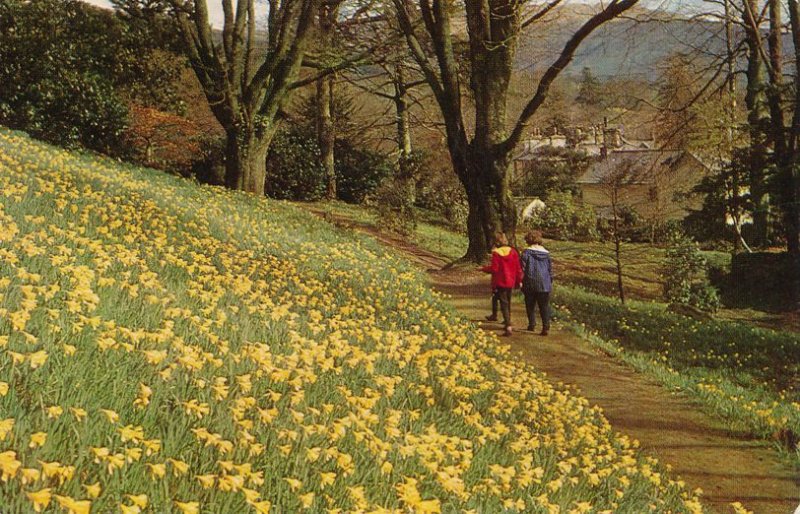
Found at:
[93, 490]
[140, 500]
[40, 499]
[188, 507]
[37, 439]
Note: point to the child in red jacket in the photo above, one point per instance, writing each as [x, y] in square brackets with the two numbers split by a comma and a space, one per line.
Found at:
[506, 276]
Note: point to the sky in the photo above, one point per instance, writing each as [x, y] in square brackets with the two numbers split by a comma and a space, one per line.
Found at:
[214, 10]
[679, 6]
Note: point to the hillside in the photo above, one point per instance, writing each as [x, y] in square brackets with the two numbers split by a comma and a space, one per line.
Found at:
[632, 47]
[168, 347]
[623, 48]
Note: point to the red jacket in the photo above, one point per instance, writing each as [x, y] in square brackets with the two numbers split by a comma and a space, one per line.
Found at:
[505, 268]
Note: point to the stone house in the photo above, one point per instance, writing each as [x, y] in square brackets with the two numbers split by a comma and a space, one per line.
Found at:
[654, 183]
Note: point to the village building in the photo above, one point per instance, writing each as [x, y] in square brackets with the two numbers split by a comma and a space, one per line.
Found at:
[656, 183]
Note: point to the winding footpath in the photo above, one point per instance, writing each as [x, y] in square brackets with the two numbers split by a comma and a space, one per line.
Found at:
[727, 466]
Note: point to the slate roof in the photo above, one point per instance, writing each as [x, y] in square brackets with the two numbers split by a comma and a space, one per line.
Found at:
[641, 163]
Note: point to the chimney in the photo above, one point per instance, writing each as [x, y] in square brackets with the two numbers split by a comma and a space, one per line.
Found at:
[612, 138]
[616, 138]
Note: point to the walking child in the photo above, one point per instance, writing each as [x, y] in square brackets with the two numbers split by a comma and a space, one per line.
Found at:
[506, 276]
[537, 282]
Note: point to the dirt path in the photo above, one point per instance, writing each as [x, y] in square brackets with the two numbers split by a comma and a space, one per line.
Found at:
[726, 465]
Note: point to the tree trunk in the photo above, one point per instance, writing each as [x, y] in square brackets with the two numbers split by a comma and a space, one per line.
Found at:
[792, 171]
[478, 233]
[730, 107]
[406, 167]
[326, 135]
[793, 215]
[617, 240]
[246, 161]
[491, 207]
[758, 122]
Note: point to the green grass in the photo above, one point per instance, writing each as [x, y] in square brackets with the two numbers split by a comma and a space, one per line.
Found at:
[589, 265]
[204, 350]
[746, 375]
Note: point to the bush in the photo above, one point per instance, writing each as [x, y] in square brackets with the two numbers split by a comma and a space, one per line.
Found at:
[294, 170]
[66, 107]
[435, 182]
[565, 217]
[359, 171]
[394, 208]
[68, 68]
[73, 109]
[685, 276]
[208, 164]
[554, 170]
[762, 280]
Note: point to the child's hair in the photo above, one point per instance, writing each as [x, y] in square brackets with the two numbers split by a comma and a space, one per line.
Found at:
[500, 239]
[534, 237]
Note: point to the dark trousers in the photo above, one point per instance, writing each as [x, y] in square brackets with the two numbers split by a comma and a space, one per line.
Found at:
[543, 301]
[502, 295]
[495, 303]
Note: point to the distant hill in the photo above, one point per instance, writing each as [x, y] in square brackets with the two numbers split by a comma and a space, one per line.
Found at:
[623, 47]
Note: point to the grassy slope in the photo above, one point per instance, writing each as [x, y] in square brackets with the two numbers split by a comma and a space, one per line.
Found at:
[589, 265]
[219, 353]
[745, 374]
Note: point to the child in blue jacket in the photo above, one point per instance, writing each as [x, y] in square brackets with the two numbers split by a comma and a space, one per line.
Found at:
[537, 281]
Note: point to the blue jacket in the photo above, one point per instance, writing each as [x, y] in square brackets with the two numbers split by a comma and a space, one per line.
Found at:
[537, 269]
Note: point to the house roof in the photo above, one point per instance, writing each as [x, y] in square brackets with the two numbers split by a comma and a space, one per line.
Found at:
[639, 165]
[532, 148]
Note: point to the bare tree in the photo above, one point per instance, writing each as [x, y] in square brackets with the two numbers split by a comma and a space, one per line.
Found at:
[246, 81]
[481, 160]
[393, 77]
[326, 136]
[770, 102]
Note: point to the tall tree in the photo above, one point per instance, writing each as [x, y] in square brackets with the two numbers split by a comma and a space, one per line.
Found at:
[245, 84]
[481, 160]
[326, 136]
[338, 45]
[758, 121]
[790, 174]
[589, 93]
[774, 142]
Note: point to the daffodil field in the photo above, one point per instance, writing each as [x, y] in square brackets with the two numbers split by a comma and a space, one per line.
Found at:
[166, 347]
